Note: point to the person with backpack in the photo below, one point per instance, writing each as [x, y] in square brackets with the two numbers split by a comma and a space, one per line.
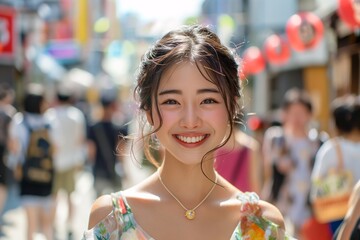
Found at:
[31, 154]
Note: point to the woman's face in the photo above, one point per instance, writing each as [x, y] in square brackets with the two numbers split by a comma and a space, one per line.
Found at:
[195, 118]
[297, 115]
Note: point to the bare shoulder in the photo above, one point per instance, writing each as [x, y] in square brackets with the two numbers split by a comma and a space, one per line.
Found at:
[100, 209]
[272, 213]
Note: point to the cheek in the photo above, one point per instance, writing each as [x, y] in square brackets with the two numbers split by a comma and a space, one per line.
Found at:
[302, 115]
[167, 118]
[218, 117]
[299, 118]
[304, 119]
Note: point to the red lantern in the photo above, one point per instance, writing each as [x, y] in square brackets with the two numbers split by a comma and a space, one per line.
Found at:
[304, 30]
[277, 49]
[349, 12]
[255, 123]
[253, 61]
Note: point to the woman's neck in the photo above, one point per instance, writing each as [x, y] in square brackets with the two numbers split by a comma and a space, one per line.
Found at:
[295, 131]
[353, 136]
[188, 182]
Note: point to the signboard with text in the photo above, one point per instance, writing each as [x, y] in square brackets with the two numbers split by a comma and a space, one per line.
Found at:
[7, 34]
[66, 52]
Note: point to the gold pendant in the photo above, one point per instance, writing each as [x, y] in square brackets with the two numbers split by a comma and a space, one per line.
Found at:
[190, 214]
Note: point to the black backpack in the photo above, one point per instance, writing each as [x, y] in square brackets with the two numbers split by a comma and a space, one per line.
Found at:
[37, 172]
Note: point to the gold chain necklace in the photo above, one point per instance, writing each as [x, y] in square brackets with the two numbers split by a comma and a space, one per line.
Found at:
[189, 213]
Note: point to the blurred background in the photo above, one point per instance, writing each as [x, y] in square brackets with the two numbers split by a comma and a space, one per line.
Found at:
[94, 47]
[50, 41]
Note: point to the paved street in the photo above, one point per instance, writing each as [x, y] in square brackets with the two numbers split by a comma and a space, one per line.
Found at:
[14, 219]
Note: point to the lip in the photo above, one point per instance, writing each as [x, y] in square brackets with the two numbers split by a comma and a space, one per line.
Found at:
[199, 139]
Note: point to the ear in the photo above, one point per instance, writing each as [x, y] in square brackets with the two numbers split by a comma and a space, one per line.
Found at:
[149, 117]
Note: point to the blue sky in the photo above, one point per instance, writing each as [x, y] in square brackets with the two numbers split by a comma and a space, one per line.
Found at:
[161, 9]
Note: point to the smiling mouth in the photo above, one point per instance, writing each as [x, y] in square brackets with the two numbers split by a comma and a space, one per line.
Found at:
[193, 139]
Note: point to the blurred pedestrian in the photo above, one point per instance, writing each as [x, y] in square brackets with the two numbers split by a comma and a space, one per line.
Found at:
[345, 145]
[6, 114]
[7, 99]
[239, 162]
[288, 154]
[68, 129]
[30, 156]
[104, 137]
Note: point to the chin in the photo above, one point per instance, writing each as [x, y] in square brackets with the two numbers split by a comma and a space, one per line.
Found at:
[198, 161]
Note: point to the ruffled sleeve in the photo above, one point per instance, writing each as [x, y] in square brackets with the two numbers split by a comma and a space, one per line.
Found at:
[118, 225]
[106, 229]
[111, 227]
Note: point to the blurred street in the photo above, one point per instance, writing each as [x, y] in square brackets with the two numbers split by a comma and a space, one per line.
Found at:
[14, 218]
[14, 222]
[75, 70]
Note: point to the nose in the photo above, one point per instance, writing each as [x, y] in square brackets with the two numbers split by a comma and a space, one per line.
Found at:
[191, 118]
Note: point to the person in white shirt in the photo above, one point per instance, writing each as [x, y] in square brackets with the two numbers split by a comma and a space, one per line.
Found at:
[288, 151]
[345, 111]
[68, 128]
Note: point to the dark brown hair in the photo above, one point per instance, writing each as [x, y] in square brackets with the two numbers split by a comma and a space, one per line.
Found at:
[34, 98]
[346, 113]
[296, 95]
[196, 44]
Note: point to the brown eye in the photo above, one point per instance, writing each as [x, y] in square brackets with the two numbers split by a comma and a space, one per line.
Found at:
[170, 102]
[209, 101]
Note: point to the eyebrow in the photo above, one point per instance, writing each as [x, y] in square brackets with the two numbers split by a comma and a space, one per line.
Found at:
[203, 90]
[208, 90]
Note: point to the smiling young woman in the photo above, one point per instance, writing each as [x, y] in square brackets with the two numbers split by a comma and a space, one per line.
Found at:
[188, 88]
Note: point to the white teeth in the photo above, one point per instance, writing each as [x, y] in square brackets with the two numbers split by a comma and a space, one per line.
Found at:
[191, 139]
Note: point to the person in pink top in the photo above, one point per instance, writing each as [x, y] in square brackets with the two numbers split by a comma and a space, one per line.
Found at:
[239, 162]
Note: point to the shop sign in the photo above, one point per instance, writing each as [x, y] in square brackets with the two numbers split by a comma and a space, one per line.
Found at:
[7, 33]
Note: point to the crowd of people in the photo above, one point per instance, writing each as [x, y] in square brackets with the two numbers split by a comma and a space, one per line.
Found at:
[208, 167]
[45, 144]
[295, 159]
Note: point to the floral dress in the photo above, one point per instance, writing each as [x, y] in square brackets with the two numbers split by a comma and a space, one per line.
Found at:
[120, 224]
